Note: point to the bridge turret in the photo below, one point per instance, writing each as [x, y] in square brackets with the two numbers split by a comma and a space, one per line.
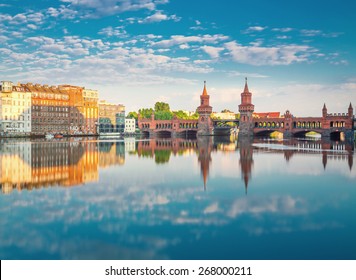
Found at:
[246, 109]
[351, 111]
[205, 125]
[325, 111]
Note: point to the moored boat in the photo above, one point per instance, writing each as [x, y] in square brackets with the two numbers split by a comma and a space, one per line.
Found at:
[49, 136]
[58, 135]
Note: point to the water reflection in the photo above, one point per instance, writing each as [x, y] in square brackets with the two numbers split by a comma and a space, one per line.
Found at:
[71, 162]
[206, 198]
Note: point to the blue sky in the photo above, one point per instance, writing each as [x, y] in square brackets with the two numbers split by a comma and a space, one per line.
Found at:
[296, 55]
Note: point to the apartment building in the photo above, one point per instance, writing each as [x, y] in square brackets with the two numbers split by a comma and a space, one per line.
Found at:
[91, 111]
[15, 109]
[50, 109]
[111, 117]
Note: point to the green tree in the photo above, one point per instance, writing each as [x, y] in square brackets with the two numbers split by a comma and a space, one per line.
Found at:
[132, 115]
[145, 113]
[195, 116]
[181, 115]
[163, 115]
[162, 107]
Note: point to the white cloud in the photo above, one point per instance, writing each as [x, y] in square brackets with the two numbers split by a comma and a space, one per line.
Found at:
[284, 29]
[212, 51]
[63, 12]
[245, 74]
[278, 55]
[111, 31]
[184, 46]
[256, 28]
[3, 38]
[282, 37]
[180, 39]
[110, 7]
[213, 208]
[158, 16]
[32, 26]
[197, 26]
[310, 32]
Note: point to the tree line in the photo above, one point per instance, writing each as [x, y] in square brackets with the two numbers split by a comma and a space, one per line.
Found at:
[162, 111]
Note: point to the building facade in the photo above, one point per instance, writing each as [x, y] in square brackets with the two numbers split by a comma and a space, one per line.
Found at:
[15, 110]
[111, 117]
[49, 109]
[76, 108]
[130, 125]
[91, 111]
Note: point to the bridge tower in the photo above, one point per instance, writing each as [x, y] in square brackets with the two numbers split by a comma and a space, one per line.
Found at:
[205, 125]
[246, 108]
[325, 111]
[351, 111]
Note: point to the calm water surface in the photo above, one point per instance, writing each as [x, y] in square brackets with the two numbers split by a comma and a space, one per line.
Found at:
[208, 198]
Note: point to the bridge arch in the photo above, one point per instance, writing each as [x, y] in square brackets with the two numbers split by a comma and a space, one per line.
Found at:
[337, 135]
[164, 134]
[267, 132]
[145, 134]
[302, 133]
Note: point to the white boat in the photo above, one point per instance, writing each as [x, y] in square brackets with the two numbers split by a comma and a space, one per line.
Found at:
[49, 136]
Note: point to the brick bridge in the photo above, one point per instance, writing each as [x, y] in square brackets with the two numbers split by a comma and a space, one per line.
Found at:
[250, 123]
[327, 125]
[171, 128]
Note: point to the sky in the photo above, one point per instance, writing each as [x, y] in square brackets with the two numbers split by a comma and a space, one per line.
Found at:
[297, 55]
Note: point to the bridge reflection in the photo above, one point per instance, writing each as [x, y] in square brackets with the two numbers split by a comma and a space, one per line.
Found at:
[206, 146]
[67, 162]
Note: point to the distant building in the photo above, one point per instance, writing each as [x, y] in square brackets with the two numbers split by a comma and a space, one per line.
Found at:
[76, 108]
[266, 115]
[111, 117]
[15, 109]
[49, 109]
[130, 126]
[91, 111]
[39, 109]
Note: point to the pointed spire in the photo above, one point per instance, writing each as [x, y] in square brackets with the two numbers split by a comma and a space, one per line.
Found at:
[204, 90]
[350, 107]
[324, 108]
[246, 179]
[246, 86]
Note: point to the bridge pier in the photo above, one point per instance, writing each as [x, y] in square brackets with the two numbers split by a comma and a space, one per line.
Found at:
[350, 135]
[325, 133]
[287, 134]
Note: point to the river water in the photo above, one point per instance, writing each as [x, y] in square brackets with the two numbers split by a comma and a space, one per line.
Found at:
[205, 198]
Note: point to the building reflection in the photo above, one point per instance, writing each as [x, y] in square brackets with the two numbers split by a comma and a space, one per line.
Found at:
[38, 164]
[69, 162]
[111, 153]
